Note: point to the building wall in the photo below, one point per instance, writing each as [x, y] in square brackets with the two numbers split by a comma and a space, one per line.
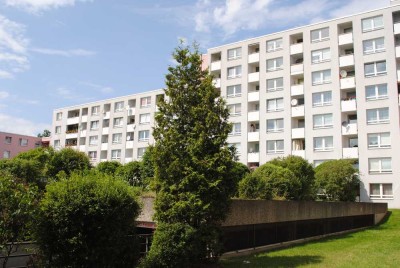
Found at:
[12, 144]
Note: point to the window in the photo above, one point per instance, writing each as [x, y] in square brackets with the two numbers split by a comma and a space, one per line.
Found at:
[275, 125]
[274, 105]
[92, 155]
[144, 119]
[274, 64]
[234, 53]
[234, 91]
[274, 45]
[57, 130]
[374, 45]
[236, 146]
[236, 129]
[115, 154]
[95, 110]
[118, 122]
[140, 152]
[381, 191]
[117, 138]
[234, 72]
[379, 140]
[320, 35]
[144, 135]
[6, 154]
[145, 102]
[380, 165]
[118, 106]
[58, 116]
[23, 142]
[323, 143]
[323, 121]
[274, 147]
[321, 77]
[375, 68]
[321, 55]
[235, 109]
[376, 92]
[8, 140]
[93, 140]
[57, 144]
[373, 23]
[322, 98]
[275, 84]
[94, 125]
[377, 116]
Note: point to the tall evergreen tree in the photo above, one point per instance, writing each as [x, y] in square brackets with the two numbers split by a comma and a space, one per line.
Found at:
[192, 163]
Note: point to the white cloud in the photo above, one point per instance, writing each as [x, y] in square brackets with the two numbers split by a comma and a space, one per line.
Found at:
[64, 53]
[36, 6]
[65, 93]
[4, 95]
[20, 125]
[97, 87]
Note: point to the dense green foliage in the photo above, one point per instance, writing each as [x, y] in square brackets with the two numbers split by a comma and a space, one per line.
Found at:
[270, 182]
[88, 221]
[17, 206]
[302, 170]
[130, 172]
[147, 167]
[108, 167]
[67, 160]
[337, 180]
[193, 163]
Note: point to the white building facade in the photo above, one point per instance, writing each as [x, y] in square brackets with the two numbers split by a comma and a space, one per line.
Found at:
[323, 91]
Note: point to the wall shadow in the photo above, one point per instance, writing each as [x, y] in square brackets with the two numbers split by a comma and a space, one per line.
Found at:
[275, 261]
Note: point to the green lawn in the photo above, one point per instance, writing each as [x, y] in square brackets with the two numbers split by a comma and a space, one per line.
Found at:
[375, 247]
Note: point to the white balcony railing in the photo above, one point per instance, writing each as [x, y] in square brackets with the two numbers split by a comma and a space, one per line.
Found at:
[348, 82]
[346, 60]
[130, 128]
[84, 118]
[105, 130]
[82, 148]
[72, 120]
[301, 153]
[217, 82]
[104, 146]
[396, 28]
[253, 96]
[106, 115]
[71, 135]
[255, 57]
[296, 90]
[254, 77]
[253, 136]
[215, 66]
[131, 111]
[297, 69]
[253, 116]
[129, 144]
[296, 49]
[83, 133]
[349, 105]
[349, 129]
[298, 111]
[253, 157]
[346, 38]
[350, 152]
[298, 133]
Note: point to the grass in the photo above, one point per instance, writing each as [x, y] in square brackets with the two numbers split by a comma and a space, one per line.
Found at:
[377, 246]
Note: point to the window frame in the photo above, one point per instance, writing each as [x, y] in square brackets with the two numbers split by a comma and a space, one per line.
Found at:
[375, 72]
[379, 144]
[374, 46]
[373, 28]
[94, 122]
[322, 75]
[234, 88]
[321, 53]
[275, 82]
[276, 66]
[237, 72]
[145, 102]
[376, 90]
[324, 147]
[378, 119]
[276, 107]
[381, 191]
[235, 51]
[380, 170]
[234, 131]
[23, 142]
[276, 122]
[142, 150]
[95, 110]
[93, 140]
[116, 154]
[146, 136]
[118, 119]
[6, 138]
[322, 97]
[276, 149]
[274, 43]
[116, 140]
[145, 116]
[235, 111]
[320, 35]
[323, 119]
[91, 156]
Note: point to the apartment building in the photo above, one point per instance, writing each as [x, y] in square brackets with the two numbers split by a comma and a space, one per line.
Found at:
[115, 129]
[12, 144]
[323, 91]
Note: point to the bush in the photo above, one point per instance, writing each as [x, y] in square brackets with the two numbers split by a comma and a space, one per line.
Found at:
[67, 160]
[270, 182]
[337, 180]
[108, 167]
[88, 221]
[130, 172]
[302, 170]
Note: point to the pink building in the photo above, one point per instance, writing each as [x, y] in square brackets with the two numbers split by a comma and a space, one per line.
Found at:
[12, 144]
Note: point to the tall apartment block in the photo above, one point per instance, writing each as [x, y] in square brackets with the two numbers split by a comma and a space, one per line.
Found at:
[323, 91]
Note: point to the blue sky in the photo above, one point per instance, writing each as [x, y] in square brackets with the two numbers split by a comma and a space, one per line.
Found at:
[57, 53]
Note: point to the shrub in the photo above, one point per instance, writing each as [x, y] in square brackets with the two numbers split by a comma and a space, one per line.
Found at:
[130, 172]
[88, 221]
[67, 160]
[108, 167]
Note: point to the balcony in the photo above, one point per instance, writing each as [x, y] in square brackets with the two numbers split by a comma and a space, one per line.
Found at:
[130, 128]
[396, 28]
[398, 51]
[217, 82]
[254, 77]
[129, 144]
[398, 75]
[104, 146]
[349, 129]
[350, 152]
[83, 133]
[298, 111]
[215, 66]
[296, 49]
[253, 136]
[105, 130]
[253, 116]
[296, 90]
[349, 105]
[346, 60]
[73, 120]
[106, 115]
[253, 96]
[297, 69]
[71, 135]
[255, 57]
[253, 157]
[298, 133]
[82, 148]
[128, 159]
[131, 111]
[84, 118]
[348, 82]
[301, 153]
[345, 39]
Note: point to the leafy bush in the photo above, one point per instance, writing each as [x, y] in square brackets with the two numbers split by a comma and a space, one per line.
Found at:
[67, 160]
[337, 180]
[270, 182]
[88, 221]
[130, 172]
[108, 167]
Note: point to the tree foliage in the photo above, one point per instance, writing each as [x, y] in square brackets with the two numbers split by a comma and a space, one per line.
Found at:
[108, 167]
[67, 160]
[17, 207]
[337, 180]
[45, 133]
[131, 172]
[147, 166]
[193, 164]
[302, 170]
[88, 221]
[270, 182]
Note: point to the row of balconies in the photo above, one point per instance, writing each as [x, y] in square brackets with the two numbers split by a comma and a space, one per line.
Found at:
[104, 131]
[103, 146]
[106, 115]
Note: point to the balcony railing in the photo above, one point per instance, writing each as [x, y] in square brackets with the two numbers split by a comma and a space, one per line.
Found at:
[346, 38]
